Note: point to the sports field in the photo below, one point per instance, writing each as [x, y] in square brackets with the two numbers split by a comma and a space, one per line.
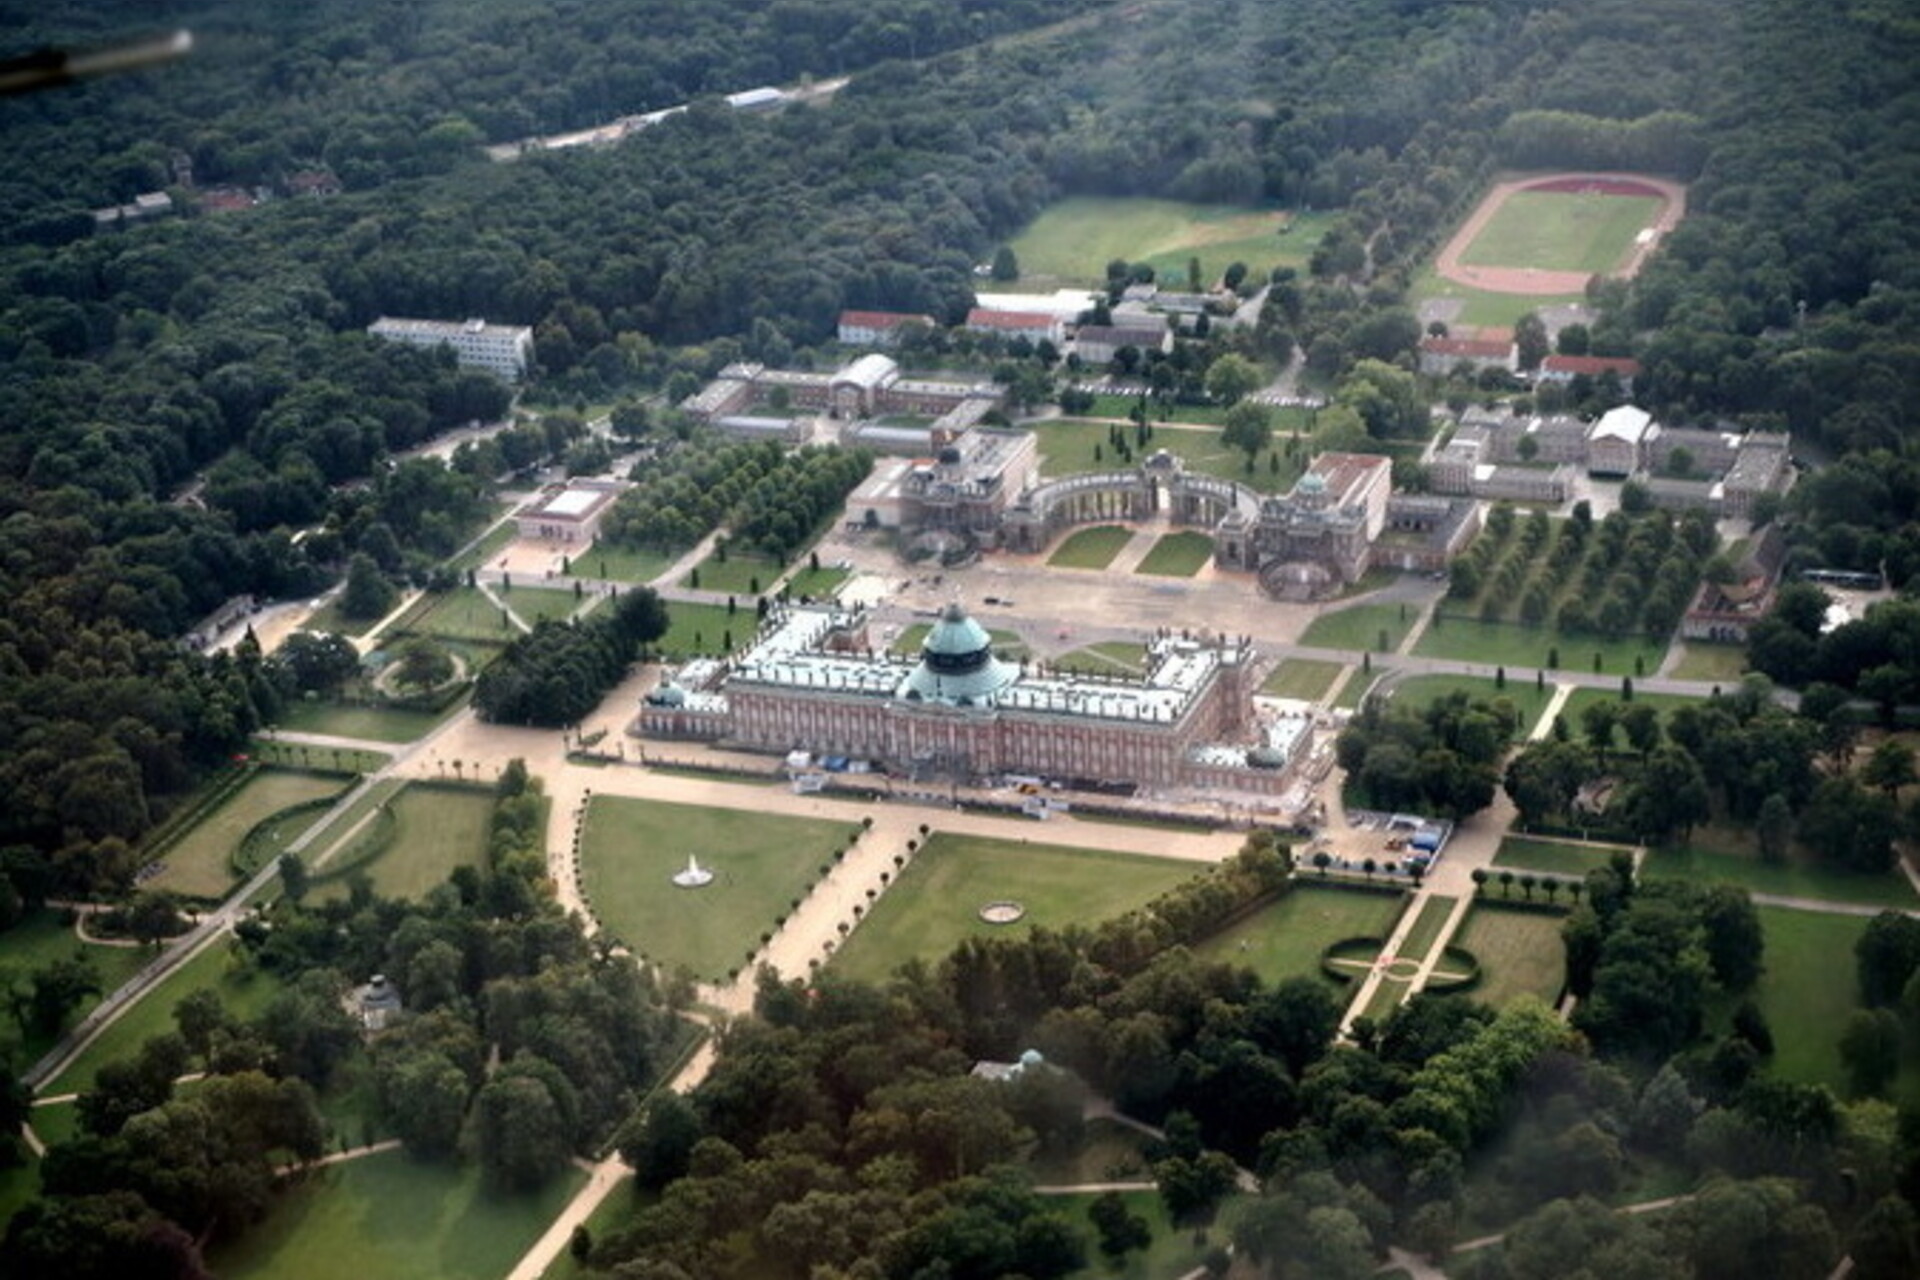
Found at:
[1072, 241]
[938, 898]
[1561, 231]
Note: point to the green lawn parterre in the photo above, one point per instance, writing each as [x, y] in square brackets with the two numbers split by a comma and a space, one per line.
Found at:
[348, 720]
[387, 1215]
[630, 850]
[615, 563]
[1286, 938]
[816, 582]
[937, 899]
[1513, 645]
[1303, 678]
[1090, 548]
[1358, 627]
[200, 865]
[465, 613]
[533, 604]
[1178, 555]
[1550, 856]
[736, 575]
[701, 630]
[435, 828]
[1426, 928]
[1518, 951]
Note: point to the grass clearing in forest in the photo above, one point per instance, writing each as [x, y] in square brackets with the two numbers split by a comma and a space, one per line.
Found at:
[1798, 877]
[1519, 952]
[1172, 1252]
[387, 1215]
[1072, 240]
[1807, 991]
[200, 863]
[936, 899]
[1091, 548]
[630, 850]
[1305, 679]
[1285, 938]
[1178, 555]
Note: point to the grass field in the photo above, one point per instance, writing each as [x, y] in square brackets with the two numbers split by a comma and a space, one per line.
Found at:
[1074, 446]
[244, 995]
[1072, 241]
[701, 629]
[1797, 879]
[937, 898]
[1580, 699]
[1285, 940]
[1528, 702]
[497, 540]
[1561, 231]
[631, 848]
[435, 829]
[532, 604]
[1358, 628]
[35, 940]
[740, 574]
[1178, 555]
[1302, 678]
[1512, 645]
[1171, 1253]
[1550, 856]
[1725, 663]
[1426, 928]
[1518, 951]
[1358, 686]
[816, 582]
[622, 564]
[375, 724]
[386, 1215]
[200, 865]
[466, 614]
[1807, 991]
[1092, 548]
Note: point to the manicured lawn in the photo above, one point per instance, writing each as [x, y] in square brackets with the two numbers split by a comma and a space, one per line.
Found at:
[1518, 951]
[434, 829]
[1796, 878]
[1092, 548]
[1561, 231]
[1580, 699]
[1513, 645]
[739, 574]
[497, 540]
[632, 848]
[1074, 446]
[1725, 663]
[1426, 928]
[1807, 991]
[40, 938]
[1528, 702]
[616, 563]
[1172, 1252]
[816, 582]
[1550, 856]
[1072, 240]
[611, 1214]
[1359, 628]
[200, 863]
[1285, 939]
[387, 1215]
[328, 618]
[1388, 994]
[466, 614]
[1358, 685]
[936, 900]
[701, 629]
[244, 994]
[1303, 678]
[1178, 555]
[531, 604]
[343, 720]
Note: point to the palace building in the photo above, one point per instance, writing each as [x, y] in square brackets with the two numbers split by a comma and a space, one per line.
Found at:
[812, 682]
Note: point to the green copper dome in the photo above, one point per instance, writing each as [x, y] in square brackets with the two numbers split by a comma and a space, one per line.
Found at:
[957, 663]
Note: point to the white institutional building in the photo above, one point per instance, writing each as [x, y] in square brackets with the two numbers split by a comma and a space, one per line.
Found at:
[501, 349]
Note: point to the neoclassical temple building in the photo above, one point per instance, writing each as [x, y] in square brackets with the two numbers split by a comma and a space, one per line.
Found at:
[812, 682]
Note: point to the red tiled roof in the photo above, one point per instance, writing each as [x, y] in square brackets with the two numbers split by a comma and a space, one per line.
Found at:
[879, 319]
[1590, 365]
[1467, 348]
[983, 318]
